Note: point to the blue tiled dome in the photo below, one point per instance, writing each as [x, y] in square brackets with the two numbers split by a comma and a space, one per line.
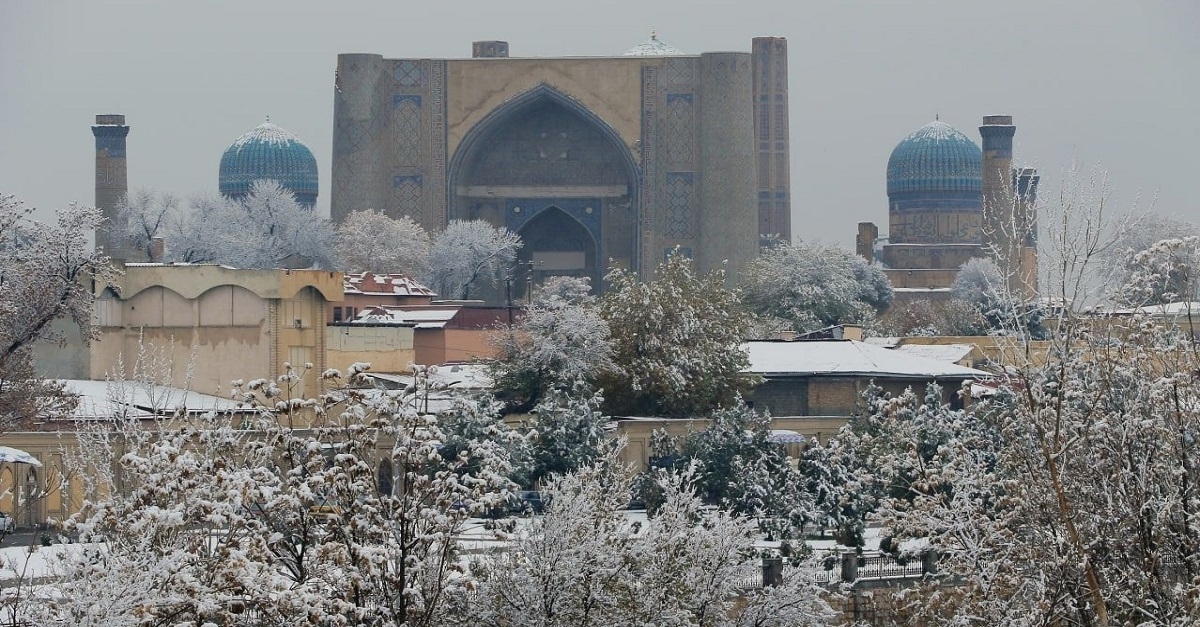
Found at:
[935, 158]
[269, 152]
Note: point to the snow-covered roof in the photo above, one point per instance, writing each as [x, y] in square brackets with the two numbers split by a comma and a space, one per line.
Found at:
[392, 284]
[886, 342]
[845, 358]
[17, 456]
[460, 376]
[941, 352]
[922, 290]
[653, 47]
[420, 318]
[104, 399]
[1168, 310]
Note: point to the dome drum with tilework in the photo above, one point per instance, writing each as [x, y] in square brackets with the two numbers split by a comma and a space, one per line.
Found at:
[269, 152]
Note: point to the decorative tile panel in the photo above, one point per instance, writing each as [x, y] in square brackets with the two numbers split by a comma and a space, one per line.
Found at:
[680, 132]
[648, 216]
[406, 124]
[406, 197]
[680, 198]
[409, 73]
[435, 204]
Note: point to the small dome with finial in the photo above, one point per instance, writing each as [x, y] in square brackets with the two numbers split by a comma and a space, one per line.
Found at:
[655, 47]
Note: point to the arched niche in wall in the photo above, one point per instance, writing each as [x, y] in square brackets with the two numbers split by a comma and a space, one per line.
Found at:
[543, 151]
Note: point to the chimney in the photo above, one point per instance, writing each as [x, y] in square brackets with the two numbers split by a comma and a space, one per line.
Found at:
[864, 244]
[489, 49]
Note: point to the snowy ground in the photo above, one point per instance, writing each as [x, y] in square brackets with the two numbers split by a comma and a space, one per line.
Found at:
[478, 536]
[31, 562]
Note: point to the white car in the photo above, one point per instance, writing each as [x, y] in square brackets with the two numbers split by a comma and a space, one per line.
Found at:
[7, 524]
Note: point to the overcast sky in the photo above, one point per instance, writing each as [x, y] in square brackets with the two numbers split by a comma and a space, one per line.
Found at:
[1114, 83]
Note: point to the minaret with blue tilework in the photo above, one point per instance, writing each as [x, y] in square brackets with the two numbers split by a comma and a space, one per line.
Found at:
[112, 180]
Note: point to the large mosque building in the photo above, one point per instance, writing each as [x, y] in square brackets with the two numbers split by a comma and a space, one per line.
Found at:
[949, 202]
[268, 152]
[592, 161]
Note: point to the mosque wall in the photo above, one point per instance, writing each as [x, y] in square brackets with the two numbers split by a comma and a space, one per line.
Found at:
[728, 186]
[424, 139]
[609, 87]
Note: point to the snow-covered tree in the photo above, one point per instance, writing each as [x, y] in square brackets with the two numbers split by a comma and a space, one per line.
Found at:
[468, 253]
[369, 241]
[1140, 234]
[982, 284]
[733, 464]
[47, 272]
[195, 235]
[1069, 497]
[144, 216]
[351, 521]
[570, 431]
[267, 228]
[560, 340]
[676, 342]
[929, 317]
[584, 563]
[811, 285]
[1166, 271]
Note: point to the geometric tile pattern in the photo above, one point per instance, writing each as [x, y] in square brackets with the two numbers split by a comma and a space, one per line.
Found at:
[650, 204]
[679, 131]
[409, 74]
[680, 223]
[677, 72]
[406, 197]
[406, 122]
[435, 203]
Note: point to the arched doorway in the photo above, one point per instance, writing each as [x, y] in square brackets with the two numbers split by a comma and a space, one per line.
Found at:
[556, 244]
[31, 499]
[384, 479]
[547, 167]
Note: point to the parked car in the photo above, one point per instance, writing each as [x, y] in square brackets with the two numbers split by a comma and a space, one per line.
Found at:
[7, 524]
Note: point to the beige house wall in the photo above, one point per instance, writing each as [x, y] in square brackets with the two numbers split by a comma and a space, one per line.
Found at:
[443, 346]
[638, 431]
[994, 348]
[32, 495]
[212, 324]
[386, 348]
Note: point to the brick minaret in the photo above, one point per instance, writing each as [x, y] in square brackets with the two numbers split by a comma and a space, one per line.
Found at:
[1025, 185]
[1009, 223]
[771, 134]
[112, 181]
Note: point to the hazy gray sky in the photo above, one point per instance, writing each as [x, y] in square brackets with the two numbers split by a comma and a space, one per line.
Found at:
[1108, 82]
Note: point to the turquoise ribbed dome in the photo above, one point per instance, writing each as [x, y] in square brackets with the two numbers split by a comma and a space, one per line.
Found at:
[268, 152]
[935, 158]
